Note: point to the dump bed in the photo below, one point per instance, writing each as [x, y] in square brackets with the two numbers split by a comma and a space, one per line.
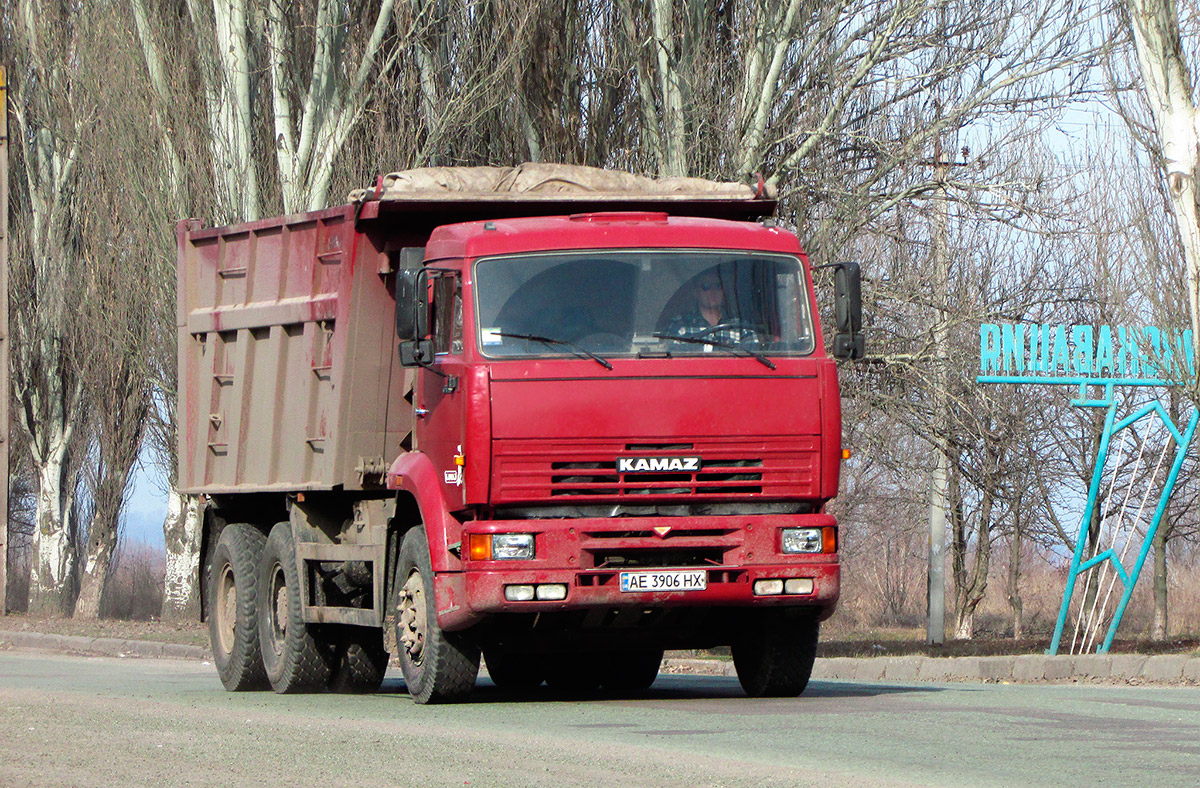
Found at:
[288, 373]
[286, 355]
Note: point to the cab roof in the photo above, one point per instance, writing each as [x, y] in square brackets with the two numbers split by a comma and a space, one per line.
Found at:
[622, 230]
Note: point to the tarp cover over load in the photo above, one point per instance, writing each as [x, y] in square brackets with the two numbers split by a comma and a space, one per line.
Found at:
[528, 182]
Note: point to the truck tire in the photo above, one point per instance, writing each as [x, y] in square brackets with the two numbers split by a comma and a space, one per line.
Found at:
[631, 671]
[233, 608]
[361, 661]
[437, 666]
[295, 658]
[775, 660]
[514, 671]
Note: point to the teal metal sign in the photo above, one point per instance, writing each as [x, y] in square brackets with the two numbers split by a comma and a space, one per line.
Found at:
[1087, 356]
[1048, 353]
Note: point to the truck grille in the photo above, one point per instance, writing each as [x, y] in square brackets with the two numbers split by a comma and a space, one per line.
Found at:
[586, 469]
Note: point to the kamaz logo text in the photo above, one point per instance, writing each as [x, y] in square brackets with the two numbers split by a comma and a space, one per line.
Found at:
[657, 464]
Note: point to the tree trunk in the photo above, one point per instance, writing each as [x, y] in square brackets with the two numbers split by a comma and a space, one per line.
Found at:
[1158, 630]
[51, 538]
[182, 531]
[1014, 581]
[1167, 83]
[670, 85]
[94, 577]
[970, 590]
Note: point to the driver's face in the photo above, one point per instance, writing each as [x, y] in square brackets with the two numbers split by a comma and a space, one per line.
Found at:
[711, 295]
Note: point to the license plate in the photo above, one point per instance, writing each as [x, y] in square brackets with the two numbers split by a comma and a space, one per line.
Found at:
[670, 580]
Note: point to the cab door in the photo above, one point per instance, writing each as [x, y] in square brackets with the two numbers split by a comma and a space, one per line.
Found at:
[440, 404]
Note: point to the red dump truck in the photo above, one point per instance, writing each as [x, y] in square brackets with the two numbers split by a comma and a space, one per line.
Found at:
[558, 417]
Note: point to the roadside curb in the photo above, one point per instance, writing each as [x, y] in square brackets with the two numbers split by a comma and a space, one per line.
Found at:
[101, 647]
[1024, 669]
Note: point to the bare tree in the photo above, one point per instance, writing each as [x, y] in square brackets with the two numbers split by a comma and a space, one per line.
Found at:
[51, 111]
[118, 310]
[1168, 84]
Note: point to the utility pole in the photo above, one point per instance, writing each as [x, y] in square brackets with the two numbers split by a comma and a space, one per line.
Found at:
[935, 629]
[3, 342]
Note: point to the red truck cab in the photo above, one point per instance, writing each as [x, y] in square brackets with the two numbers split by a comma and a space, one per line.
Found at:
[606, 450]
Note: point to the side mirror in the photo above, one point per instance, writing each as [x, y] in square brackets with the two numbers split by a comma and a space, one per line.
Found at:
[848, 344]
[417, 353]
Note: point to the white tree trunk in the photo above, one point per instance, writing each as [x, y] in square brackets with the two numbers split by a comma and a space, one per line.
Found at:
[93, 579]
[1167, 82]
[51, 538]
[964, 626]
[182, 531]
[670, 82]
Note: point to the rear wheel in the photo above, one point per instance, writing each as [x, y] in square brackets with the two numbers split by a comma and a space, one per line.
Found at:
[514, 671]
[573, 672]
[631, 671]
[233, 608]
[361, 660]
[775, 659]
[438, 666]
[295, 658]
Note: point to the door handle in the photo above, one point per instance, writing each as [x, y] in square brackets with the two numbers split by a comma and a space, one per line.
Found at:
[421, 412]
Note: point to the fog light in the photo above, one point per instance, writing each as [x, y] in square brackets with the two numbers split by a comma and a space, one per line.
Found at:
[551, 592]
[798, 585]
[518, 593]
[512, 546]
[768, 587]
[802, 540]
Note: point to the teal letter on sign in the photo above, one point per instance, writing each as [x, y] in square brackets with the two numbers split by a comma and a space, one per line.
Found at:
[1058, 360]
[1012, 347]
[1081, 359]
[1104, 351]
[989, 348]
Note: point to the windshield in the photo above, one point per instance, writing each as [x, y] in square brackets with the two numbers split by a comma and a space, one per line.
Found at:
[644, 303]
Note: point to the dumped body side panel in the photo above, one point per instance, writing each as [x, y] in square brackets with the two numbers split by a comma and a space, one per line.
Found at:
[267, 329]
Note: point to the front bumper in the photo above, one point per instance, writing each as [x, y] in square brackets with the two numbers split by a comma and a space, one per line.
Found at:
[588, 556]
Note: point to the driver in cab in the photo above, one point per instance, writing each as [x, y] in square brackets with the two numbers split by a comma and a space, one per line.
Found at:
[711, 320]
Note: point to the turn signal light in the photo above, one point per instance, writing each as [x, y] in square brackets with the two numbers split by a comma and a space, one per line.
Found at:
[829, 539]
[479, 547]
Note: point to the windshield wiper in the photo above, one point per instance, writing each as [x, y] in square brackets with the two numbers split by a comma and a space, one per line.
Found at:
[552, 341]
[759, 357]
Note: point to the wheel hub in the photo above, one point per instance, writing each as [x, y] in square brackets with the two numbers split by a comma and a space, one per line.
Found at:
[279, 596]
[412, 617]
[227, 610]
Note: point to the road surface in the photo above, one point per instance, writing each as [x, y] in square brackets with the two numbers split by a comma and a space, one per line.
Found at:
[76, 721]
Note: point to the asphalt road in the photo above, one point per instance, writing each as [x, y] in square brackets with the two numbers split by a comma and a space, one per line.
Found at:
[74, 721]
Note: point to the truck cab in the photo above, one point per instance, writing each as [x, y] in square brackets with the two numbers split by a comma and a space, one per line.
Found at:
[630, 416]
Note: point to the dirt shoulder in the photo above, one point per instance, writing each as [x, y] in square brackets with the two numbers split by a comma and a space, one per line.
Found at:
[883, 643]
[186, 633]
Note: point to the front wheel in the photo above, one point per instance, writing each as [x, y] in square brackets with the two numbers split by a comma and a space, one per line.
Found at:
[775, 659]
[438, 666]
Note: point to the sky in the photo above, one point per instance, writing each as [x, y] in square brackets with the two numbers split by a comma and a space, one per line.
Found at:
[147, 506]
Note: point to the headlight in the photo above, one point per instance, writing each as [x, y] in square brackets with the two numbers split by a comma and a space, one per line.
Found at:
[500, 547]
[802, 540]
[512, 546]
